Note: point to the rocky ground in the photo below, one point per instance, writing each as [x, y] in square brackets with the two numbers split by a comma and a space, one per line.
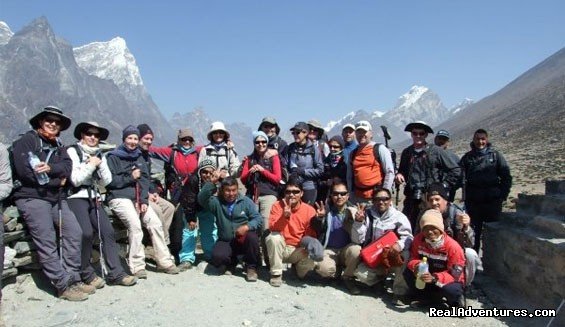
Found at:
[200, 297]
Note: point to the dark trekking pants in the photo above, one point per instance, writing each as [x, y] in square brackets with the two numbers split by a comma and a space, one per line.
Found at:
[225, 253]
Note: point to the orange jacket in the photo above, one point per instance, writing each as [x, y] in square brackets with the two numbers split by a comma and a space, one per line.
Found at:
[295, 227]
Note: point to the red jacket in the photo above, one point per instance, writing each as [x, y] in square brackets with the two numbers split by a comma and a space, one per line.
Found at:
[184, 164]
[446, 263]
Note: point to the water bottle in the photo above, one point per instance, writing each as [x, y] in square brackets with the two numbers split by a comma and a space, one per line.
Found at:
[42, 178]
[422, 269]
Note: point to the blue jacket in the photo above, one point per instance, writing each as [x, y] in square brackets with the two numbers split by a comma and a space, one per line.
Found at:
[305, 162]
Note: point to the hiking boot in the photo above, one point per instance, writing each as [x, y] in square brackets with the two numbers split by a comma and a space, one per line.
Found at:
[399, 301]
[461, 303]
[171, 270]
[127, 280]
[86, 288]
[141, 274]
[225, 270]
[97, 282]
[251, 275]
[184, 266]
[73, 293]
[351, 286]
[276, 280]
[418, 304]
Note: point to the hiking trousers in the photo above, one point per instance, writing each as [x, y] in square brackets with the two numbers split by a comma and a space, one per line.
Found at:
[125, 210]
[280, 253]
[85, 212]
[41, 218]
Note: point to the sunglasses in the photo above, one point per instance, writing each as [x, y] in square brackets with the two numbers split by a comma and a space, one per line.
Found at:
[96, 135]
[269, 126]
[339, 193]
[298, 132]
[418, 133]
[218, 132]
[53, 120]
[295, 192]
[260, 142]
[187, 139]
[335, 147]
[381, 199]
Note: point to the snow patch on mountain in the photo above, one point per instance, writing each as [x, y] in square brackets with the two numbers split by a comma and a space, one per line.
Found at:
[109, 60]
[333, 123]
[461, 105]
[5, 33]
[411, 97]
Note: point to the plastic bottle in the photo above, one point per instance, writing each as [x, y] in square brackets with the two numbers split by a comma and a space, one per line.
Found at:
[42, 178]
[422, 269]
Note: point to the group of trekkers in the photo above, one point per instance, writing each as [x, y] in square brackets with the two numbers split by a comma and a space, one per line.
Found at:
[317, 204]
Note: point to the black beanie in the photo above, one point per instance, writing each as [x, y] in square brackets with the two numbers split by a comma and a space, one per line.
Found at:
[129, 130]
[144, 129]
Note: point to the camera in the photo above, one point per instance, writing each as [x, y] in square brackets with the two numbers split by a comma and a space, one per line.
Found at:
[418, 194]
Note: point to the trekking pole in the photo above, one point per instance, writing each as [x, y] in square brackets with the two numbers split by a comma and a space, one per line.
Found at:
[60, 212]
[103, 267]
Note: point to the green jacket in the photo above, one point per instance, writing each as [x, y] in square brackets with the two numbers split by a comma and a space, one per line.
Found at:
[244, 212]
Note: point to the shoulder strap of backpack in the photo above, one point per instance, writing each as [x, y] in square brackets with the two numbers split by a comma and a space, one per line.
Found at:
[377, 155]
[78, 150]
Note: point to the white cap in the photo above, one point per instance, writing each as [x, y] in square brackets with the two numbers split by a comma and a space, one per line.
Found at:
[364, 125]
[348, 125]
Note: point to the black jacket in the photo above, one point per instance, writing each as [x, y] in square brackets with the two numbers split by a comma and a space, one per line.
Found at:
[59, 161]
[123, 186]
[486, 175]
[421, 169]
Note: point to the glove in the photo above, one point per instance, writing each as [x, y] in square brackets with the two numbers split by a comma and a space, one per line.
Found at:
[395, 258]
[299, 171]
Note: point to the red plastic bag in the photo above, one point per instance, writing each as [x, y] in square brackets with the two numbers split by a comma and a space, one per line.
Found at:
[371, 254]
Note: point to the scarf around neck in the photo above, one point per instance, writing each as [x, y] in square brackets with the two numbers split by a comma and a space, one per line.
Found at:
[123, 152]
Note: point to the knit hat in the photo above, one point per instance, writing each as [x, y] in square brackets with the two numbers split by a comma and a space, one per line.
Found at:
[432, 217]
[129, 130]
[257, 134]
[437, 189]
[184, 132]
[207, 163]
[144, 129]
[338, 139]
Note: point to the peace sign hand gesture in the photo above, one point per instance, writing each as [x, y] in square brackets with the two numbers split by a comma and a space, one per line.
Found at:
[360, 214]
[320, 209]
[287, 211]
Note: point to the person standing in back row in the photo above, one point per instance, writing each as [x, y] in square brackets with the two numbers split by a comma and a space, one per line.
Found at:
[442, 140]
[487, 182]
[422, 164]
[304, 162]
[220, 151]
[370, 165]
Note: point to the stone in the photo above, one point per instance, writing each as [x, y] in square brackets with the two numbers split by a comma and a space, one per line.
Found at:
[14, 236]
[11, 225]
[22, 247]
[7, 273]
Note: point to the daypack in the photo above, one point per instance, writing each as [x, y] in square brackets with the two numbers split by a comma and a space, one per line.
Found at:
[76, 189]
[285, 175]
[377, 157]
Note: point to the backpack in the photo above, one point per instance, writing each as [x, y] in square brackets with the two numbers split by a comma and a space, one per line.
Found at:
[74, 189]
[375, 153]
[292, 149]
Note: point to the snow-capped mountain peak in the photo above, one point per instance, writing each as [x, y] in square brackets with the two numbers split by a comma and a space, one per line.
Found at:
[461, 105]
[5, 33]
[411, 97]
[109, 60]
[333, 123]
[377, 114]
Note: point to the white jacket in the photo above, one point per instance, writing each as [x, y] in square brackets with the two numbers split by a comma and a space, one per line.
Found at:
[81, 174]
[392, 219]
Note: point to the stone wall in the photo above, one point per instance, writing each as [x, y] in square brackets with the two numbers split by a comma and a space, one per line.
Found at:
[526, 249]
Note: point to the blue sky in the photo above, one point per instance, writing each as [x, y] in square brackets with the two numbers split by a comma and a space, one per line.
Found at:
[297, 60]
